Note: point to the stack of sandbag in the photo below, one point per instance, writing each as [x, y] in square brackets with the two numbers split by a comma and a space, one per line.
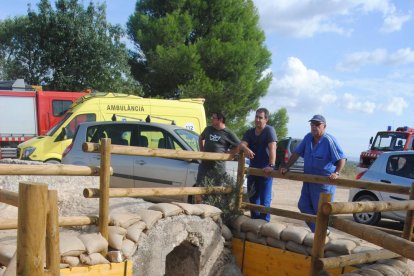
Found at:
[125, 230]
[81, 249]
[300, 240]
[274, 234]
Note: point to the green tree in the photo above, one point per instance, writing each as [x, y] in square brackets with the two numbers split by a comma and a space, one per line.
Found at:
[197, 48]
[279, 121]
[66, 48]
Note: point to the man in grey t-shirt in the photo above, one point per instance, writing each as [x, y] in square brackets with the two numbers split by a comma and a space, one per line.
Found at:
[215, 138]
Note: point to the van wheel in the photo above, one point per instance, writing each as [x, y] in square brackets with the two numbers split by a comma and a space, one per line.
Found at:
[52, 161]
[367, 218]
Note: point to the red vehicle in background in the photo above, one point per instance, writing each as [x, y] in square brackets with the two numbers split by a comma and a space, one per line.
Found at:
[389, 140]
[26, 111]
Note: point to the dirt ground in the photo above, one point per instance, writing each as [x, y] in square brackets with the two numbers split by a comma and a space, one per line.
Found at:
[286, 194]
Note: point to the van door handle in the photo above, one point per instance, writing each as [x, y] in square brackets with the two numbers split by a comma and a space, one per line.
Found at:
[140, 162]
[385, 181]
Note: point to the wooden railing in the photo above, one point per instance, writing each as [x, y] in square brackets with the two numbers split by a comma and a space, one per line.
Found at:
[38, 223]
[394, 246]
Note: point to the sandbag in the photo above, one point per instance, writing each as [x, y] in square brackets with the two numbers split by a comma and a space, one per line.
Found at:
[94, 242]
[209, 211]
[385, 269]
[70, 245]
[253, 225]
[253, 237]
[397, 264]
[167, 209]
[294, 234]
[239, 235]
[189, 209]
[93, 259]
[330, 253]
[6, 253]
[297, 248]
[116, 235]
[308, 240]
[124, 219]
[128, 248]
[135, 230]
[363, 249]
[343, 246]
[276, 243]
[272, 229]
[237, 222]
[226, 233]
[150, 217]
[369, 272]
[70, 260]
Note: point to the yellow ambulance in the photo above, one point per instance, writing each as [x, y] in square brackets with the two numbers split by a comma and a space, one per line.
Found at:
[188, 113]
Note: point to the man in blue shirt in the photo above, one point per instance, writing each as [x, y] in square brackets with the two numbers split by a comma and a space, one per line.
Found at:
[259, 144]
[322, 156]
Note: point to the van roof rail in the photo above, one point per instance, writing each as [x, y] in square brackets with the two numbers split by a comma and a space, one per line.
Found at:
[114, 117]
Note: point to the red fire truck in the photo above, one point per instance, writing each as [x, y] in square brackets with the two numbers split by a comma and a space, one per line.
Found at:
[389, 140]
[26, 112]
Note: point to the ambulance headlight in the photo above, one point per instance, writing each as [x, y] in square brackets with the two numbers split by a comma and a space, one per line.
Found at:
[27, 152]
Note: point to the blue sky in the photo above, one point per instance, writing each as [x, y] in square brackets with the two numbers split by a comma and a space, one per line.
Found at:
[350, 60]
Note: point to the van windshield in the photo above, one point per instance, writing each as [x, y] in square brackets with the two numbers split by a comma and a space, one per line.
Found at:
[58, 125]
[389, 141]
[189, 137]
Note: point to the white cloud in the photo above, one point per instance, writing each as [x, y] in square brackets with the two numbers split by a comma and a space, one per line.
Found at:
[352, 103]
[304, 90]
[396, 105]
[354, 61]
[305, 18]
[299, 88]
[393, 23]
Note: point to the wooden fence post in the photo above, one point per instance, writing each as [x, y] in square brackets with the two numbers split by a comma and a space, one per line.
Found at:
[320, 234]
[31, 232]
[240, 181]
[409, 219]
[105, 174]
[52, 234]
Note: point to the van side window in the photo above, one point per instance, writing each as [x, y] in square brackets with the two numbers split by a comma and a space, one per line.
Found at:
[59, 107]
[119, 134]
[81, 118]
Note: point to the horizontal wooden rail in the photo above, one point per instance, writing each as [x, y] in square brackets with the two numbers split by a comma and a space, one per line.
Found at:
[398, 189]
[279, 212]
[365, 206]
[8, 197]
[398, 245]
[166, 153]
[146, 192]
[48, 169]
[355, 259]
[8, 224]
